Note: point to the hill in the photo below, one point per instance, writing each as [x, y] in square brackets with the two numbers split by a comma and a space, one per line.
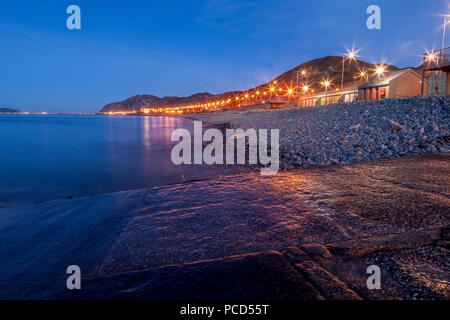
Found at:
[8, 110]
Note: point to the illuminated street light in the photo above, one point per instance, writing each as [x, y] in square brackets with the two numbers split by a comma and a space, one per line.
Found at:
[300, 74]
[363, 74]
[351, 55]
[443, 32]
[305, 88]
[326, 84]
[431, 57]
[380, 71]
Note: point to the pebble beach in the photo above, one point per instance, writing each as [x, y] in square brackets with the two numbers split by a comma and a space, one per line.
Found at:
[349, 133]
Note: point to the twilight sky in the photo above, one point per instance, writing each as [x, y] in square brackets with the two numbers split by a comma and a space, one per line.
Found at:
[179, 48]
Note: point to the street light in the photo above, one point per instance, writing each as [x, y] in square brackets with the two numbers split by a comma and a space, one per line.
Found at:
[379, 71]
[290, 92]
[326, 84]
[351, 55]
[272, 90]
[299, 74]
[431, 57]
[363, 74]
[443, 32]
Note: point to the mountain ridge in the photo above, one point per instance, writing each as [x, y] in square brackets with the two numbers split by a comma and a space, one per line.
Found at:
[8, 110]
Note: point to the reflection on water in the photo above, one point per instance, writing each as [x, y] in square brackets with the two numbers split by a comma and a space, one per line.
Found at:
[55, 156]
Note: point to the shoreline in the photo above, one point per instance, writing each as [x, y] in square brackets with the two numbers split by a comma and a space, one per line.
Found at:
[348, 133]
[301, 151]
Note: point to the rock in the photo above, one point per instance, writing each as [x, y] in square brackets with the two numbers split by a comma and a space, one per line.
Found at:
[329, 286]
[316, 250]
[395, 126]
[295, 255]
[266, 276]
[362, 247]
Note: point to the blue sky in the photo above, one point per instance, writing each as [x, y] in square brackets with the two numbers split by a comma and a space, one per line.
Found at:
[179, 48]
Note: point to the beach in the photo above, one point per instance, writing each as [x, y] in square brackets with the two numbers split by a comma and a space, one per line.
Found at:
[349, 132]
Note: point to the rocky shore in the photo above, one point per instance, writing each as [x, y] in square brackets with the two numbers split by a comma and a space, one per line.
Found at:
[350, 133]
[302, 234]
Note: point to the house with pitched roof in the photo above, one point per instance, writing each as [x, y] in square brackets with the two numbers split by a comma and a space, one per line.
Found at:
[397, 84]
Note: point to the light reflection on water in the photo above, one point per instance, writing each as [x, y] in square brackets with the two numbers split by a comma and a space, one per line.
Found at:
[55, 156]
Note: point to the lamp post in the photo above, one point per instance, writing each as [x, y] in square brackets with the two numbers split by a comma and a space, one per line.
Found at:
[350, 55]
[290, 92]
[326, 84]
[380, 71]
[305, 89]
[305, 92]
[299, 74]
[363, 74]
[443, 31]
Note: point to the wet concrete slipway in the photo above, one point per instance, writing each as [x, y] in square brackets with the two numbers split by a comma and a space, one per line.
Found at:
[305, 234]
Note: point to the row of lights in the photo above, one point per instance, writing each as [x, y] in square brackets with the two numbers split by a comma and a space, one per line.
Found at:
[260, 94]
[237, 100]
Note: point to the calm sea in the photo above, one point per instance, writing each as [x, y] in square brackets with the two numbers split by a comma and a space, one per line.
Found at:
[56, 156]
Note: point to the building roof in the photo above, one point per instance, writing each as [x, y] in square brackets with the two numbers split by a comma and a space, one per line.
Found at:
[330, 93]
[386, 78]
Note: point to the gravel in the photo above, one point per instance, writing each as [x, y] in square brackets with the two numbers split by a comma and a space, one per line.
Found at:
[355, 132]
